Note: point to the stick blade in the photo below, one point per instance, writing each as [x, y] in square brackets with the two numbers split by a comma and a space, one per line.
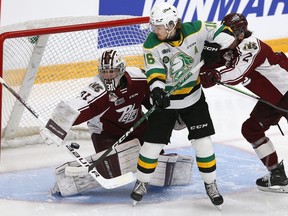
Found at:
[105, 183]
[118, 181]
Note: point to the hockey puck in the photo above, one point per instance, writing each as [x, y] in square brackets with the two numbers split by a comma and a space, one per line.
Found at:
[75, 145]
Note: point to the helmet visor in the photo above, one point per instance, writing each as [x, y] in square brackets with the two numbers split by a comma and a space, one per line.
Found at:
[156, 27]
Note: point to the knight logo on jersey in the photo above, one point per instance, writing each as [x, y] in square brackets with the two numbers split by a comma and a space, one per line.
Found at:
[177, 63]
[129, 114]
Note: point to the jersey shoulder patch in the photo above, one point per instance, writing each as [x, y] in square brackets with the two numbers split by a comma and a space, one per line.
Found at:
[135, 73]
[250, 44]
[96, 85]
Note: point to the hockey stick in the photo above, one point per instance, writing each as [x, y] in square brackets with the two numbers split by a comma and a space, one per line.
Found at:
[74, 171]
[253, 96]
[105, 183]
[17, 96]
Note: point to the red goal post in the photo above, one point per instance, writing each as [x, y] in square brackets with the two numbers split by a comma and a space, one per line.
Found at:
[47, 61]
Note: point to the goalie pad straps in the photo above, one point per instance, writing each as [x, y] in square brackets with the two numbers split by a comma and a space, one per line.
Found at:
[173, 169]
[122, 160]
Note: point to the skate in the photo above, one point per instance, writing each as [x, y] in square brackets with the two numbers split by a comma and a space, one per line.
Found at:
[140, 189]
[276, 181]
[213, 194]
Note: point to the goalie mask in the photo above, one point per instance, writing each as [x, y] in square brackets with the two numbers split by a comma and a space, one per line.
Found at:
[111, 69]
[164, 14]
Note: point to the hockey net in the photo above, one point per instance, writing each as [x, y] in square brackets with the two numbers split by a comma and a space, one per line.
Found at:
[47, 61]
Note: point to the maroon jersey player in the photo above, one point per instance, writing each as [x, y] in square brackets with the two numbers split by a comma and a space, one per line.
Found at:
[253, 63]
[112, 103]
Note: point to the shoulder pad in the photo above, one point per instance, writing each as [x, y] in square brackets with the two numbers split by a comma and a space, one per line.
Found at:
[135, 72]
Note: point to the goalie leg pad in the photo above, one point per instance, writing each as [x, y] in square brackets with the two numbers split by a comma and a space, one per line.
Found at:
[173, 169]
[69, 185]
[109, 167]
[126, 155]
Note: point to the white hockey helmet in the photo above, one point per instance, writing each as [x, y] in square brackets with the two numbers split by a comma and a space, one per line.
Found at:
[111, 68]
[164, 14]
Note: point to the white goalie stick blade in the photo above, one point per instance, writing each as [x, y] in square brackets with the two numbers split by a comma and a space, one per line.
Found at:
[105, 183]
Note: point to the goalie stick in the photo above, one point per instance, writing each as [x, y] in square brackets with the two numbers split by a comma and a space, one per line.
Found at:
[105, 183]
[73, 171]
[17, 96]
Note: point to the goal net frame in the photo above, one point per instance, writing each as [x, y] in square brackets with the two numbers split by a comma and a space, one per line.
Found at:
[38, 34]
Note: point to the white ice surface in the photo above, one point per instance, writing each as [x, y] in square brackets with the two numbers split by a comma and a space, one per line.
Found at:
[228, 110]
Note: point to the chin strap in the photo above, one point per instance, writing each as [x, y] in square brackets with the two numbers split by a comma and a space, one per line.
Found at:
[169, 37]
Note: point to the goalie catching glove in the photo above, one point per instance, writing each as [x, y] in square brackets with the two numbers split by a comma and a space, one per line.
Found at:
[209, 78]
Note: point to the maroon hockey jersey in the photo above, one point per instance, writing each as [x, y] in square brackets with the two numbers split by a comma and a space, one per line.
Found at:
[259, 69]
[114, 113]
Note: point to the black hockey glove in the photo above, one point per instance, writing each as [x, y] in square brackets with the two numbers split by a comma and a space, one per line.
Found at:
[160, 99]
[210, 53]
[209, 78]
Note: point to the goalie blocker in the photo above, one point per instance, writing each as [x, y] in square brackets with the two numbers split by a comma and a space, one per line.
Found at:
[172, 169]
[57, 127]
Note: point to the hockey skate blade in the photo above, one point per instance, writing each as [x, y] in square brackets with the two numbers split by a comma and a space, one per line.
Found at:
[219, 207]
[134, 202]
[274, 189]
[76, 171]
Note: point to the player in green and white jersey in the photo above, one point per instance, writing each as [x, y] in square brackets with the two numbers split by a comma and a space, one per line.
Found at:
[170, 50]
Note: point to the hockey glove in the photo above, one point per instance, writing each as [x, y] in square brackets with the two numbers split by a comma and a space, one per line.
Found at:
[210, 78]
[210, 53]
[160, 99]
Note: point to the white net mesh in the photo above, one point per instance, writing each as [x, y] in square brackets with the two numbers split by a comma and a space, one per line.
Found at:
[48, 68]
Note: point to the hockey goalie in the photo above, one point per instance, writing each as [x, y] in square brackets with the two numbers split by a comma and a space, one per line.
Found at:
[111, 104]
